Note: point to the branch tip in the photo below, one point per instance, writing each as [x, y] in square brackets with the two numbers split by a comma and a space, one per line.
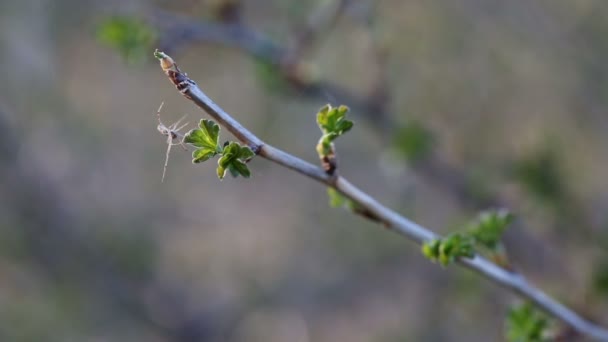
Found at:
[159, 54]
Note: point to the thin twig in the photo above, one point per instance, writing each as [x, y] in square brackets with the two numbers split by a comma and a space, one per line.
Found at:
[391, 219]
[177, 31]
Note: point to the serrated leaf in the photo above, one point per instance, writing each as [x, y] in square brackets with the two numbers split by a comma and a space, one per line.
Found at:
[233, 172]
[202, 154]
[245, 153]
[225, 160]
[233, 148]
[332, 120]
[233, 159]
[448, 249]
[322, 115]
[489, 227]
[344, 126]
[332, 123]
[206, 136]
[241, 168]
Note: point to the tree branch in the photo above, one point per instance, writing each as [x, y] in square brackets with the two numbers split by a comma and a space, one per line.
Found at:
[389, 218]
[177, 31]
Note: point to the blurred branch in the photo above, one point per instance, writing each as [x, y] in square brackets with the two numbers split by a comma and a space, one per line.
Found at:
[389, 218]
[178, 31]
[320, 21]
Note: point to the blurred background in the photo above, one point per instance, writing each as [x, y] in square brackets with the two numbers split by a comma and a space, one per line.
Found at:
[460, 106]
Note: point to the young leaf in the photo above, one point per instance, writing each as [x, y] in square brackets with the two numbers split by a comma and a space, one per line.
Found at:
[336, 200]
[333, 120]
[202, 154]
[431, 249]
[245, 153]
[449, 249]
[333, 123]
[489, 227]
[233, 159]
[224, 162]
[240, 168]
[221, 171]
[526, 324]
[206, 136]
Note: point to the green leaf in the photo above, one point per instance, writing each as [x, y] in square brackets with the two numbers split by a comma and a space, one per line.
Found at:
[430, 249]
[322, 118]
[202, 154]
[132, 37]
[225, 160]
[221, 171]
[333, 120]
[449, 249]
[233, 159]
[245, 153]
[241, 168]
[336, 199]
[206, 136]
[526, 324]
[489, 227]
[233, 172]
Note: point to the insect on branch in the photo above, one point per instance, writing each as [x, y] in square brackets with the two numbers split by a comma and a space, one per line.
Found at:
[172, 133]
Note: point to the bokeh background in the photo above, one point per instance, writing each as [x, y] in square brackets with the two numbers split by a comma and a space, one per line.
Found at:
[460, 106]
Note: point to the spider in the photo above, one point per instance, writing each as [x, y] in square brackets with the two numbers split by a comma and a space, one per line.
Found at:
[172, 134]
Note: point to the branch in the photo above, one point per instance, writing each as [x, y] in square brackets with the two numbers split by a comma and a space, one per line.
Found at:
[321, 20]
[389, 218]
[177, 31]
